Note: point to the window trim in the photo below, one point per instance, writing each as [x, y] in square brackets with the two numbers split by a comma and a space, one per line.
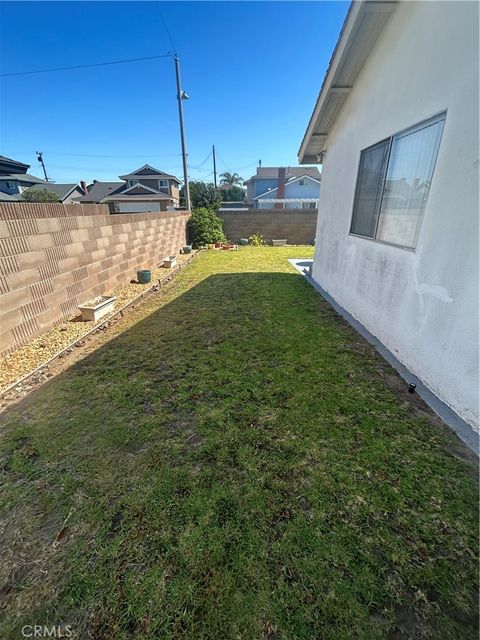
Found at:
[439, 117]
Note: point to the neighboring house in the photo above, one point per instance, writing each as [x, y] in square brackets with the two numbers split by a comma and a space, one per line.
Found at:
[146, 189]
[300, 192]
[67, 193]
[396, 129]
[267, 178]
[14, 180]
[14, 177]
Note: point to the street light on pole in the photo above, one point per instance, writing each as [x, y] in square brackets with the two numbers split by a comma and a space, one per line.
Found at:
[182, 95]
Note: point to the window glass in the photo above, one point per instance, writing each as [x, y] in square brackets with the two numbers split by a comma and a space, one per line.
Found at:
[410, 170]
[368, 194]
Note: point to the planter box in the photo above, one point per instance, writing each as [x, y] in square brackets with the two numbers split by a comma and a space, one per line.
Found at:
[279, 243]
[170, 262]
[97, 308]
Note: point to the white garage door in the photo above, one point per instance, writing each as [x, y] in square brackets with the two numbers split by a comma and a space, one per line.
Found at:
[138, 207]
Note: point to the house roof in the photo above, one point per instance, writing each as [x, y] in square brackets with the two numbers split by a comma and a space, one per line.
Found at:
[363, 24]
[305, 175]
[62, 190]
[6, 197]
[137, 192]
[14, 163]
[147, 171]
[23, 177]
[100, 190]
[265, 173]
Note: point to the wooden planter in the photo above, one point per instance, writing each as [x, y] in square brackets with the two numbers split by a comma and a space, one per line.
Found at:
[97, 308]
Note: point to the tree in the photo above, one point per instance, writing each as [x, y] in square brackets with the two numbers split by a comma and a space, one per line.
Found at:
[233, 194]
[202, 194]
[230, 178]
[39, 195]
[205, 227]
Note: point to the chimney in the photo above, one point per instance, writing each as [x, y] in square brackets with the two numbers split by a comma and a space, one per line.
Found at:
[83, 184]
[281, 187]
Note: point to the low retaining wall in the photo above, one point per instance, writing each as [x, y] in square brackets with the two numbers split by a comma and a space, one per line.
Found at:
[54, 257]
[298, 226]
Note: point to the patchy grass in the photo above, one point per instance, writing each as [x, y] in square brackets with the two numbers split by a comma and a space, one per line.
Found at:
[235, 463]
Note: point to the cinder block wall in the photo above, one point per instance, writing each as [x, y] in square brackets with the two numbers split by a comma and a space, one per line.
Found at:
[298, 226]
[54, 257]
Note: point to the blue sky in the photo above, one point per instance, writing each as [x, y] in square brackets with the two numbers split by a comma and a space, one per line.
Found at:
[252, 69]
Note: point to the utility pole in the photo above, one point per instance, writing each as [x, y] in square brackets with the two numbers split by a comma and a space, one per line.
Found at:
[181, 95]
[214, 167]
[40, 159]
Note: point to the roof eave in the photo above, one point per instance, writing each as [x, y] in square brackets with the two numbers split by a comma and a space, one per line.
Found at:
[363, 24]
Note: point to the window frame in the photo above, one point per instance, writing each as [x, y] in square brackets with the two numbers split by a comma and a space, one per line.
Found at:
[439, 117]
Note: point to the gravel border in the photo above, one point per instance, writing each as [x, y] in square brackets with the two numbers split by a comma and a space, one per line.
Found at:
[41, 373]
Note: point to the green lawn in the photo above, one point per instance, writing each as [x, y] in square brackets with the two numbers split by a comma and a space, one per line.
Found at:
[235, 463]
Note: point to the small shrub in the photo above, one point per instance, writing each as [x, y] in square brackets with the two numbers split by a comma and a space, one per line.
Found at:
[256, 240]
[205, 227]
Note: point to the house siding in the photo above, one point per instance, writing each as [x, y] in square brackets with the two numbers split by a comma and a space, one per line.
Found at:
[422, 304]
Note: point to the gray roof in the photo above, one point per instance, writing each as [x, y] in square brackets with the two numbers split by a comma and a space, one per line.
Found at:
[264, 173]
[101, 190]
[22, 177]
[15, 163]
[147, 171]
[62, 190]
[5, 197]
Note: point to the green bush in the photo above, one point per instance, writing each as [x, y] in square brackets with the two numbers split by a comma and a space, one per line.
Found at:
[205, 227]
[39, 195]
[256, 240]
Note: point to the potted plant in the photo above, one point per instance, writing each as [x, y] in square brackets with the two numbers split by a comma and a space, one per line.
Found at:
[144, 276]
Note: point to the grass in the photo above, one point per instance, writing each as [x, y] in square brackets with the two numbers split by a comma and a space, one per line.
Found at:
[235, 463]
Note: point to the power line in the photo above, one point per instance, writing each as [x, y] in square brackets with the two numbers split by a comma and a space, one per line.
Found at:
[166, 28]
[199, 166]
[94, 155]
[85, 66]
[224, 163]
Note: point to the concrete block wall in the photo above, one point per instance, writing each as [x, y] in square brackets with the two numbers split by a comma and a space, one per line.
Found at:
[298, 226]
[54, 257]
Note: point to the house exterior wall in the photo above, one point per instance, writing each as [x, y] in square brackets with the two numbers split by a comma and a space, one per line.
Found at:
[422, 304]
[54, 257]
[310, 189]
[174, 191]
[76, 193]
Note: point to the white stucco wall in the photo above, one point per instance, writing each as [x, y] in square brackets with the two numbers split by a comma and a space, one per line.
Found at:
[422, 304]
